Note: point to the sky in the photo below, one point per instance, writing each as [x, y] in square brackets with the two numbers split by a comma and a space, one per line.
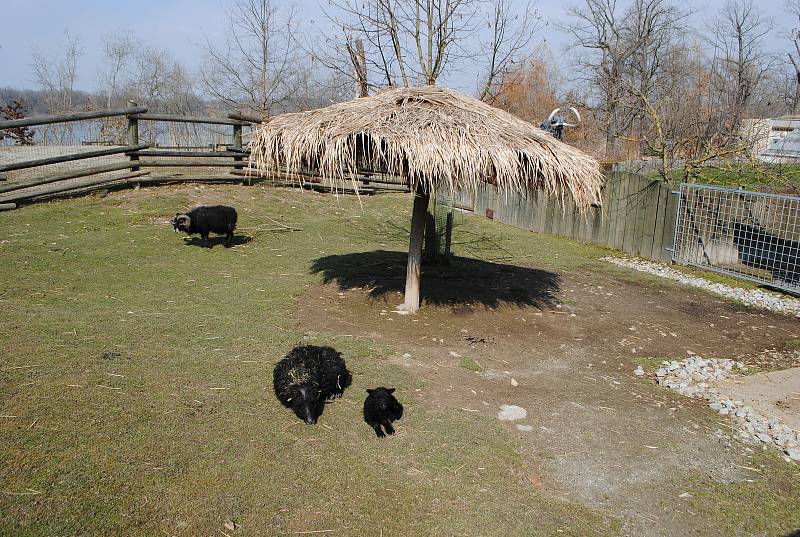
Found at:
[182, 26]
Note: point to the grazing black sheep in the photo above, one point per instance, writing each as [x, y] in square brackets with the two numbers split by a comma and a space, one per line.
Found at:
[759, 249]
[219, 219]
[381, 408]
[307, 377]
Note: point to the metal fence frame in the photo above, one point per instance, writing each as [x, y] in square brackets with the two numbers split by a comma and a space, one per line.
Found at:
[769, 244]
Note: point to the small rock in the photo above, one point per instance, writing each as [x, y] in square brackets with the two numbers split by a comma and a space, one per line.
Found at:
[685, 495]
[526, 428]
[514, 382]
[639, 371]
[511, 413]
[793, 453]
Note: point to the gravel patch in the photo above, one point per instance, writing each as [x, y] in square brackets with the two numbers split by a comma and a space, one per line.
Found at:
[751, 297]
[695, 377]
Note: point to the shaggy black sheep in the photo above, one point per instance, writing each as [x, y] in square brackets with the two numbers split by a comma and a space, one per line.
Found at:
[219, 219]
[381, 409]
[307, 377]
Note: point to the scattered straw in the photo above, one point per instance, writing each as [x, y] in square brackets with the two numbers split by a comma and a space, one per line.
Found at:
[430, 137]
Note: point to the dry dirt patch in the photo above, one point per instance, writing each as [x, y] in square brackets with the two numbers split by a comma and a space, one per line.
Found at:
[565, 352]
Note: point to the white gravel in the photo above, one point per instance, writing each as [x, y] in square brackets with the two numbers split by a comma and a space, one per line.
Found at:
[751, 297]
[696, 376]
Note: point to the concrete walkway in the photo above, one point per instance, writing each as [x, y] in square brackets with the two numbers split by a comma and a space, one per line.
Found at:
[774, 395]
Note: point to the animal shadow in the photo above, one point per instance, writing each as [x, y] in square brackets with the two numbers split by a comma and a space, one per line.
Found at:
[238, 240]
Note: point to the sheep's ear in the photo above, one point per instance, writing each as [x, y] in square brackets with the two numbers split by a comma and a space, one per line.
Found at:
[390, 390]
[370, 391]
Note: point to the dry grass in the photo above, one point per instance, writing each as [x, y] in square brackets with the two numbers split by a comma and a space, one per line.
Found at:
[431, 137]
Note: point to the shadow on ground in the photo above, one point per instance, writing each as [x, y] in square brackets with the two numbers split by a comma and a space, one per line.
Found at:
[464, 282]
[217, 240]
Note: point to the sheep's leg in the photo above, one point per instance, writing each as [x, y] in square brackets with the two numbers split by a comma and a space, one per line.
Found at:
[229, 239]
[388, 426]
[204, 237]
[378, 431]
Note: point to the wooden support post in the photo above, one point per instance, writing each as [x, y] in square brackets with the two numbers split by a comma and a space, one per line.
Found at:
[430, 252]
[448, 235]
[237, 144]
[418, 215]
[133, 135]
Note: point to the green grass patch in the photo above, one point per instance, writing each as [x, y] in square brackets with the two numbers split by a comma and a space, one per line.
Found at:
[748, 175]
[470, 364]
[136, 381]
[765, 506]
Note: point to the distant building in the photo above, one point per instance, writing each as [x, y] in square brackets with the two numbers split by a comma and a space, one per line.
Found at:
[774, 140]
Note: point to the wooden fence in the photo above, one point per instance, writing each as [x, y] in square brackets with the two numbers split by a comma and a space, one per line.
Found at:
[134, 161]
[637, 216]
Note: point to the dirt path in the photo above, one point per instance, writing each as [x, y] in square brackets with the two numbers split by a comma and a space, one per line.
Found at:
[564, 347]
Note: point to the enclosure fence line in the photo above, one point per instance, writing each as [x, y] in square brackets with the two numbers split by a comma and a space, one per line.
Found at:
[74, 153]
[749, 235]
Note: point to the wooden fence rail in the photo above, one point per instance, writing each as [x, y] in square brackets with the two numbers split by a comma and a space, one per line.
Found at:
[638, 215]
[75, 116]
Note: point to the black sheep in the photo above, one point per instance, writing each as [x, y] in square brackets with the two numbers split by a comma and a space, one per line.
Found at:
[307, 377]
[381, 409]
[219, 219]
[759, 249]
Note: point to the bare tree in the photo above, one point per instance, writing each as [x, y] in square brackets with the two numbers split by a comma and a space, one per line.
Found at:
[619, 45]
[793, 8]
[740, 63]
[119, 52]
[409, 42]
[56, 77]
[257, 67]
[511, 32]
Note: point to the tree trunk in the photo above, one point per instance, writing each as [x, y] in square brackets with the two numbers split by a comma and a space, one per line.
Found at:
[418, 216]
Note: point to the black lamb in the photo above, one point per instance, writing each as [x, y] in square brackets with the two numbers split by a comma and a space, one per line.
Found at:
[219, 219]
[307, 377]
[381, 409]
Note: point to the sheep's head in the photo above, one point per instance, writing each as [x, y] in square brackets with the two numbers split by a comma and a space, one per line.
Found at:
[383, 397]
[181, 222]
[307, 404]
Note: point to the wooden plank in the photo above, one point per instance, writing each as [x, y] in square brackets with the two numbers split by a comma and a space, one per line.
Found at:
[621, 208]
[190, 154]
[187, 163]
[647, 224]
[238, 116]
[18, 185]
[656, 253]
[668, 237]
[187, 119]
[58, 188]
[631, 214]
[70, 157]
[74, 116]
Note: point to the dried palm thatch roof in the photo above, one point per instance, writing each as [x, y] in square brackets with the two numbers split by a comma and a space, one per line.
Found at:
[430, 136]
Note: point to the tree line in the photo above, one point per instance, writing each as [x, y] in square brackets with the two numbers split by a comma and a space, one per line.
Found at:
[649, 84]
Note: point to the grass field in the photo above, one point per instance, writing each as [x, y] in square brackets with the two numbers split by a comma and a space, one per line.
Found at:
[136, 397]
[136, 387]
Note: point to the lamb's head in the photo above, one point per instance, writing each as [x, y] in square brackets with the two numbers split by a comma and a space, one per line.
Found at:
[383, 397]
[307, 404]
[181, 222]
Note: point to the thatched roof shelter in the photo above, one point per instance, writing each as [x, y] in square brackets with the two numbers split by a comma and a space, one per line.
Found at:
[432, 138]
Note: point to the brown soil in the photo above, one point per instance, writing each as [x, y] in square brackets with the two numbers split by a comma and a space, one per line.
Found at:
[570, 342]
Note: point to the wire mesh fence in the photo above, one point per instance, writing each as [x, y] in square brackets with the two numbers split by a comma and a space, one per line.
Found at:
[750, 235]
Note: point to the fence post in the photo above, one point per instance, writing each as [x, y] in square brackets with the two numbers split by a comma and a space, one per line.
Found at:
[133, 135]
[237, 146]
